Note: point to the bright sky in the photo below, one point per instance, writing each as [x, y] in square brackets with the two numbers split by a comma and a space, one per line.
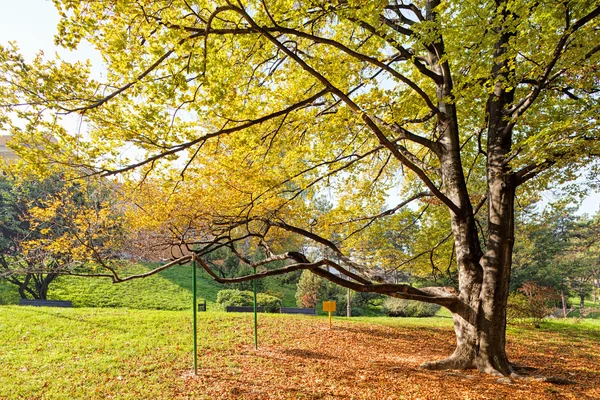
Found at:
[32, 24]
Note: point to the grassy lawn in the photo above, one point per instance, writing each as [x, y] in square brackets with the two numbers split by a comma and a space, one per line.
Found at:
[168, 290]
[92, 353]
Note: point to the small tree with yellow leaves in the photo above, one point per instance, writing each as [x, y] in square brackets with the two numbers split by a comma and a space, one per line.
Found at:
[53, 226]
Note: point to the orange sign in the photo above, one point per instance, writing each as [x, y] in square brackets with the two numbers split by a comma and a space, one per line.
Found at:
[329, 306]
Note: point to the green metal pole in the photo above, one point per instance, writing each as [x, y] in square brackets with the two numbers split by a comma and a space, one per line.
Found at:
[195, 317]
[255, 317]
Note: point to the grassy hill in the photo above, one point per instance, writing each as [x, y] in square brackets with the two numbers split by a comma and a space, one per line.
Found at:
[168, 290]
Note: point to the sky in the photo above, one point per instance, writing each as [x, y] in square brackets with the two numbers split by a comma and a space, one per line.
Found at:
[32, 24]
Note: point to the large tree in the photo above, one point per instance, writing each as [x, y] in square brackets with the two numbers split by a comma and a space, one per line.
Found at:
[244, 113]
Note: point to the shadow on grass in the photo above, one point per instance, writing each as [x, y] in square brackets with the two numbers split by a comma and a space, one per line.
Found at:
[181, 275]
[83, 320]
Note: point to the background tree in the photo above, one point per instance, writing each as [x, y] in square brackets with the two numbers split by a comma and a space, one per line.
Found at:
[454, 108]
[556, 248]
[581, 260]
[51, 227]
[308, 290]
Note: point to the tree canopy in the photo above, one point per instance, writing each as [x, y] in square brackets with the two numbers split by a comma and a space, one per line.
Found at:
[53, 226]
[293, 127]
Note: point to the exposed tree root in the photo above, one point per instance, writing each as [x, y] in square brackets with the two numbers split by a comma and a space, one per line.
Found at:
[523, 372]
[451, 362]
[518, 372]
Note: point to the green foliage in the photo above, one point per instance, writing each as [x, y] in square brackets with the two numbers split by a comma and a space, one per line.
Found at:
[394, 307]
[234, 297]
[532, 302]
[48, 227]
[518, 308]
[247, 286]
[8, 293]
[341, 304]
[557, 248]
[308, 289]
[312, 290]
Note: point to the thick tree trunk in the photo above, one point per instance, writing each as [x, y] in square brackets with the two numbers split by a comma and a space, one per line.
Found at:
[581, 303]
[480, 315]
[496, 265]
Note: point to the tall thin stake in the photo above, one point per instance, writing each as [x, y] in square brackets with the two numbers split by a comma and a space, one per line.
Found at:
[255, 317]
[195, 317]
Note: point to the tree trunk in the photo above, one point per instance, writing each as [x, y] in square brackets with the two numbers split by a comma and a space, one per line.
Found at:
[564, 303]
[22, 292]
[348, 306]
[581, 304]
[480, 315]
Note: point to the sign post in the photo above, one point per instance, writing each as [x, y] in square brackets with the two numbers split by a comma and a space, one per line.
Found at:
[329, 306]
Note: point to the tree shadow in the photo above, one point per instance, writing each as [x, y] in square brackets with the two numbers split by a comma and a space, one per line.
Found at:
[37, 310]
[383, 333]
[308, 354]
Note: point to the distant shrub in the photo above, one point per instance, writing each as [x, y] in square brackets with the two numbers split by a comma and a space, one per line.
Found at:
[532, 302]
[408, 308]
[234, 297]
[517, 307]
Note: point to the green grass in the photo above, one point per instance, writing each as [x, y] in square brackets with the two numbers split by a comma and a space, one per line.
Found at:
[94, 353]
[574, 302]
[101, 352]
[168, 290]
[8, 293]
[155, 292]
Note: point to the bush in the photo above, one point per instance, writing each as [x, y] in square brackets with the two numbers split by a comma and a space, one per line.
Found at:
[270, 303]
[408, 308]
[234, 297]
[532, 302]
[517, 307]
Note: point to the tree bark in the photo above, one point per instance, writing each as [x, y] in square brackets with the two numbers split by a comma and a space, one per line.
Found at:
[480, 317]
[564, 303]
[348, 306]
